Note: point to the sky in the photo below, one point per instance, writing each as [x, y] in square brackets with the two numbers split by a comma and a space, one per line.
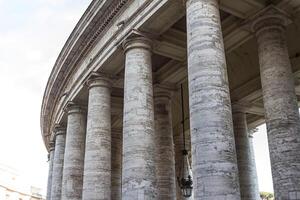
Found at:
[32, 33]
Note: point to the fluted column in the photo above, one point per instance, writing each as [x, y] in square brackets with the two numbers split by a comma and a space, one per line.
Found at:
[74, 153]
[280, 102]
[247, 169]
[253, 163]
[50, 172]
[165, 168]
[139, 175]
[116, 165]
[58, 162]
[97, 163]
[214, 164]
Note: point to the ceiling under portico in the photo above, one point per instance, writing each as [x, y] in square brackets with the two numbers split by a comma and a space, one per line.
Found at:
[167, 28]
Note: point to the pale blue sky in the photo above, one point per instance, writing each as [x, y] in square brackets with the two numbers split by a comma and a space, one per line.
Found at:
[32, 33]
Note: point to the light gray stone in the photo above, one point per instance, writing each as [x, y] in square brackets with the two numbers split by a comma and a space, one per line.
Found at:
[116, 165]
[246, 164]
[165, 168]
[58, 161]
[139, 175]
[97, 162]
[253, 163]
[50, 172]
[74, 154]
[214, 164]
[280, 103]
[178, 142]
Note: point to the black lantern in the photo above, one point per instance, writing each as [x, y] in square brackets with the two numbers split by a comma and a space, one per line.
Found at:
[185, 180]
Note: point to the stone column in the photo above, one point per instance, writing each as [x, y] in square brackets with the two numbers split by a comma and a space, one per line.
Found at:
[50, 157]
[178, 146]
[74, 153]
[215, 171]
[116, 165]
[247, 169]
[58, 162]
[253, 163]
[280, 102]
[97, 162]
[165, 168]
[139, 175]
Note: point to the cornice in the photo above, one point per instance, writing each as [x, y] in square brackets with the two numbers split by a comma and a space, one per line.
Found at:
[84, 36]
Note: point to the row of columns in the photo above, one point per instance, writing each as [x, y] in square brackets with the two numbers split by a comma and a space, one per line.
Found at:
[87, 167]
[221, 153]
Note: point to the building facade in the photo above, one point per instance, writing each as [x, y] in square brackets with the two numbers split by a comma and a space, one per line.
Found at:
[14, 187]
[111, 112]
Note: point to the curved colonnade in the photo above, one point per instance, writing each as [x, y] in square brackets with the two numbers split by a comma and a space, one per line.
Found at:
[110, 113]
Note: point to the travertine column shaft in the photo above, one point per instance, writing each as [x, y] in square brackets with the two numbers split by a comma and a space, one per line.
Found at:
[178, 142]
[139, 175]
[49, 184]
[280, 103]
[74, 154]
[215, 171]
[247, 169]
[254, 176]
[165, 167]
[58, 162]
[97, 162]
[116, 165]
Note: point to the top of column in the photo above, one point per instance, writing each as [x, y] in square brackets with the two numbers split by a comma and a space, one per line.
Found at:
[238, 108]
[51, 146]
[59, 130]
[137, 40]
[269, 17]
[162, 93]
[72, 107]
[251, 132]
[99, 80]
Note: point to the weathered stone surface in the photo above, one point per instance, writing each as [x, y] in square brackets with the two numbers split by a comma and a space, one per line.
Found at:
[97, 162]
[58, 161]
[116, 165]
[49, 184]
[165, 168]
[139, 175]
[253, 163]
[74, 154]
[178, 142]
[280, 102]
[246, 165]
[214, 164]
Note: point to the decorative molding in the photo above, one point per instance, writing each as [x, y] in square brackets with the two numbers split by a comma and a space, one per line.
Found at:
[94, 21]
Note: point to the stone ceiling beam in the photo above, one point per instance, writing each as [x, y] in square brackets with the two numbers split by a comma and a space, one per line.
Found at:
[241, 8]
[175, 48]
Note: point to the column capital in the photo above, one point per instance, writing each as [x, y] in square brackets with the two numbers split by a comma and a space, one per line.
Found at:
[59, 130]
[269, 17]
[162, 91]
[251, 132]
[71, 107]
[184, 2]
[137, 39]
[51, 146]
[99, 80]
[238, 108]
